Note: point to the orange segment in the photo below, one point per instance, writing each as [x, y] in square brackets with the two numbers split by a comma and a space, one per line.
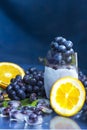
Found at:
[67, 96]
[8, 71]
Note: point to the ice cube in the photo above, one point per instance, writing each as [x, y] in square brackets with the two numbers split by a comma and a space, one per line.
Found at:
[16, 115]
[14, 103]
[5, 111]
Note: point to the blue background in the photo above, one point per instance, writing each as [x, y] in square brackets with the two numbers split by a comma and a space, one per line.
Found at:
[28, 26]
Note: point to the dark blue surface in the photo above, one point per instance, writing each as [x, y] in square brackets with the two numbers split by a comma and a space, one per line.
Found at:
[5, 123]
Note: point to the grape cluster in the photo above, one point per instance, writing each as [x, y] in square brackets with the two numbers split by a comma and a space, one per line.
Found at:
[82, 78]
[61, 51]
[31, 86]
[82, 114]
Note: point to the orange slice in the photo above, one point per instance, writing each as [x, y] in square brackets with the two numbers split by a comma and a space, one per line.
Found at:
[67, 96]
[8, 71]
[64, 123]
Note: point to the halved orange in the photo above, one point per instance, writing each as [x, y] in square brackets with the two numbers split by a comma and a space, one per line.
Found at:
[8, 71]
[67, 96]
[63, 123]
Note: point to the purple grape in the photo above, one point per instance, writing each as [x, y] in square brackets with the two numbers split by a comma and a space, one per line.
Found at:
[33, 117]
[36, 89]
[32, 69]
[69, 45]
[58, 57]
[62, 48]
[69, 59]
[33, 97]
[60, 40]
[32, 81]
[29, 88]
[54, 45]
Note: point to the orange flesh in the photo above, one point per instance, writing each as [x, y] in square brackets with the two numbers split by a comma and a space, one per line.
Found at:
[6, 73]
[65, 95]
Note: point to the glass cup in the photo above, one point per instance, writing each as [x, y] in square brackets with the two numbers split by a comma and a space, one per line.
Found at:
[55, 72]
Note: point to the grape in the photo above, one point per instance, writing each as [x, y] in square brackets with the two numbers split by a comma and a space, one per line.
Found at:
[81, 74]
[40, 75]
[71, 51]
[36, 77]
[68, 53]
[12, 80]
[26, 78]
[63, 62]
[60, 40]
[6, 111]
[16, 87]
[1, 96]
[32, 69]
[15, 98]
[82, 78]
[25, 107]
[33, 97]
[39, 94]
[27, 72]
[39, 83]
[69, 45]
[21, 84]
[85, 83]
[14, 83]
[18, 78]
[29, 88]
[69, 59]
[54, 45]
[36, 89]
[58, 58]
[21, 94]
[33, 117]
[32, 81]
[37, 111]
[13, 93]
[9, 88]
[62, 48]
[23, 88]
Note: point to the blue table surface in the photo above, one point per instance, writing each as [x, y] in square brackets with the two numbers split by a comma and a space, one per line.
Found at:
[5, 123]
